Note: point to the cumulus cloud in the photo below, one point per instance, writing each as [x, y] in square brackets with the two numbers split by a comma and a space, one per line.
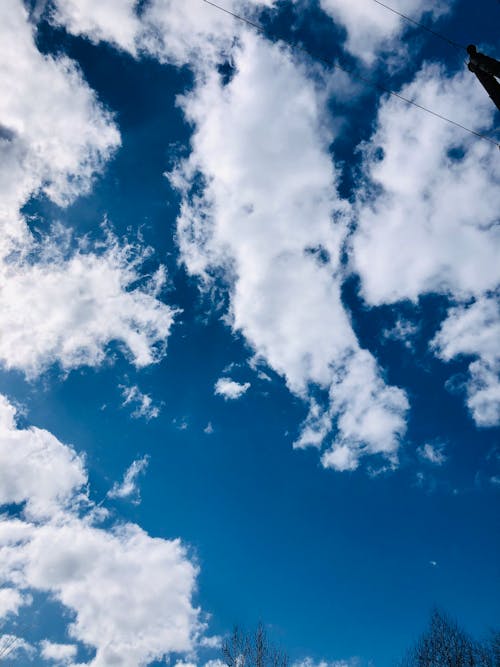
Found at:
[61, 654]
[427, 218]
[371, 28]
[428, 222]
[67, 309]
[11, 601]
[57, 306]
[113, 21]
[144, 406]
[128, 488]
[175, 32]
[196, 33]
[129, 594]
[36, 468]
[473, 331]
[54, 135]
[230, 389]
[270, 222]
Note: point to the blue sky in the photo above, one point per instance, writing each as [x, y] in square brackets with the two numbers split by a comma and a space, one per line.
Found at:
[249, 360]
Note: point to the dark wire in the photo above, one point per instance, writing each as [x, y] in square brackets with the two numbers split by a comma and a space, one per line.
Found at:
[461, 47]
[355, 75]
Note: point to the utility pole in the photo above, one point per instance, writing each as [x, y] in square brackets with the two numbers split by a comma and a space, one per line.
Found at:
[487, 70]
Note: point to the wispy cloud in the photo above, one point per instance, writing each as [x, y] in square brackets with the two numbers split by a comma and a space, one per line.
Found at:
[433, 453]
[128, 488]
[141, 403]
[403, 330]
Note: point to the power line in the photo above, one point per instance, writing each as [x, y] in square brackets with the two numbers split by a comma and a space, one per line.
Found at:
[356, 75]
[457, 45]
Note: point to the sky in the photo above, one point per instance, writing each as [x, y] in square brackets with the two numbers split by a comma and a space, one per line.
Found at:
[249, 359]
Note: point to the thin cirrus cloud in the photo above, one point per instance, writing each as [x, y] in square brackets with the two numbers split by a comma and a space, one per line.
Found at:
[142, 404]
[128, 488]
[57, 545]
[433, 453]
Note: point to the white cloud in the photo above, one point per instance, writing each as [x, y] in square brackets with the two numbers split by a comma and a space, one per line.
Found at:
[403, 330]
[128, 488]
[433, 453]
[73, 306]
[62, 654]
[35, 467]
[11, 646]
[215, 641]
[54, 134]
[427, 216]
[372, 28]
[129, 594]
[474, 331]
[309, 662]
[113, 21]
[428, 222]
[230, 389]
[176, 32]
[181, 423]
[144, 403]
[11, 601]
[270, 222]
[195, 32]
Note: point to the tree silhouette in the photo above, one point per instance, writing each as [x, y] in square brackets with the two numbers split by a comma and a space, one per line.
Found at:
[446, 644]
[252, 649]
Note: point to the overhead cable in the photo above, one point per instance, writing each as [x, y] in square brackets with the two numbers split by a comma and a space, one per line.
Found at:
[423, 26]
[355, 75]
